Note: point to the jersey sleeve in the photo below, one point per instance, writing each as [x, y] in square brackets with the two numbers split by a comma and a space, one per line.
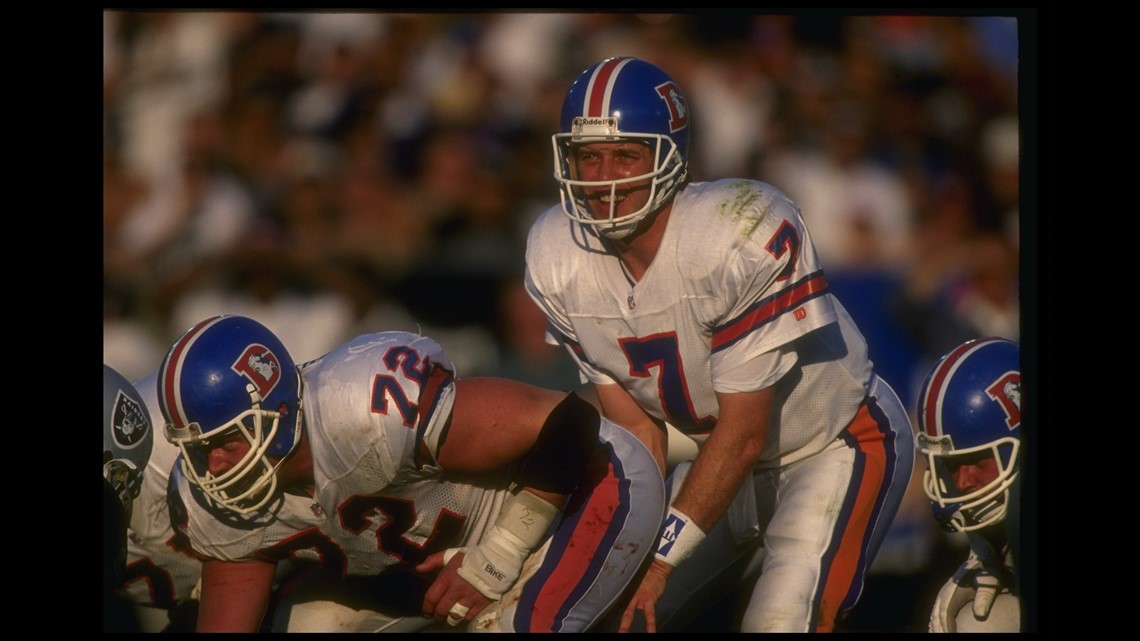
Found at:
[550, 271]
[379, 402]
[775, 291]
[434, 389]
[537, 286]
[560, 332]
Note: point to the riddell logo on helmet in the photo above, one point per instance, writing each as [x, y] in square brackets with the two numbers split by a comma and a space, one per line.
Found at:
[260, 366]
[594, 126]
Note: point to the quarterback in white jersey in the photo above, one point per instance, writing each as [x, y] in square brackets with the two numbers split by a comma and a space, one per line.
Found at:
[704, 306]
[375, 460]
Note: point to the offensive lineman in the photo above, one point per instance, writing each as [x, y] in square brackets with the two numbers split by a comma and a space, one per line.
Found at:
[375, 459]
[969, 420]
[703, 305]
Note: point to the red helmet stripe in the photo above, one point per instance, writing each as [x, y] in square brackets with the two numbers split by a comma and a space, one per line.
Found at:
[601, 86]
[937, 388]
[172, 374]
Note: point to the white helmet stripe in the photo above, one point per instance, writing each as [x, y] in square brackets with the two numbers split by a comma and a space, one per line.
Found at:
[598, 92]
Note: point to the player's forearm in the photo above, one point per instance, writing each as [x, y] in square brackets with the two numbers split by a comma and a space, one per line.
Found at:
[553, 468]
[716, 474]
[494, 565]
[727, 456]
[715, 477]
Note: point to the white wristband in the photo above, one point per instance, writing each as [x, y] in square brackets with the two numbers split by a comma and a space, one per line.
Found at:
[679, 537]
[494, 565]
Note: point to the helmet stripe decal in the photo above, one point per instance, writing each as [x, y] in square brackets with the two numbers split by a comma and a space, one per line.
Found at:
[601, 85]
[171, 398]
[937, 390]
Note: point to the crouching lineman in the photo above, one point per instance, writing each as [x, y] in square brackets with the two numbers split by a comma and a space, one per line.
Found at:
[374, 461]
[969, 419]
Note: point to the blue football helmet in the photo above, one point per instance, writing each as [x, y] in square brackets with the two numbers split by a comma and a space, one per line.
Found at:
[970, 408]
[615, 100]
[227, 376]
[128, 436]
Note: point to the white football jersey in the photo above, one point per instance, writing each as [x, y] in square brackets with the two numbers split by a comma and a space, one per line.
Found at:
[367, 405]
[157, 573]
[735, 281]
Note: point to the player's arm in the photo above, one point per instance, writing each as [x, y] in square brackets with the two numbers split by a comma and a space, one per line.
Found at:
[619, 407]
[717, 472]
[496, 422]
[727, 455]
[234, 595]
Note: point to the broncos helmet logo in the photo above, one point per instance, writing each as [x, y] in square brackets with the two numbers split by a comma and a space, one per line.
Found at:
[259, 364]
[678, 111]
[1007, 392]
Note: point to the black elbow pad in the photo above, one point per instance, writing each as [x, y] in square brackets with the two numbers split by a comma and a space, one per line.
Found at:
[558, 459]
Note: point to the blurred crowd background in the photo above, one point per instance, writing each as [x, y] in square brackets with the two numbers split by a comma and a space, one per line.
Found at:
[337, 173]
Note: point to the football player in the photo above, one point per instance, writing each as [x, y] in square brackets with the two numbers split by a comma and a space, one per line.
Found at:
[160, 579]
[969, 420]
[127, 440]
[519, 508]
[703, 305]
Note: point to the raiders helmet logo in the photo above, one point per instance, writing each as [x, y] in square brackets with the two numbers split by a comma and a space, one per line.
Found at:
[128, 423]
[260, 366]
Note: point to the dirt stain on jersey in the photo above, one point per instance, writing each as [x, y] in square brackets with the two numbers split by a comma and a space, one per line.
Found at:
[739, 208]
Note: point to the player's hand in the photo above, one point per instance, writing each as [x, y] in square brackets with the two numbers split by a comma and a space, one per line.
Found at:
[450, 597]
[649, 590]
[973, 582]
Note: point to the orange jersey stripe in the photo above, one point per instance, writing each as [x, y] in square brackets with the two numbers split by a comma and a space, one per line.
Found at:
[847, 558]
